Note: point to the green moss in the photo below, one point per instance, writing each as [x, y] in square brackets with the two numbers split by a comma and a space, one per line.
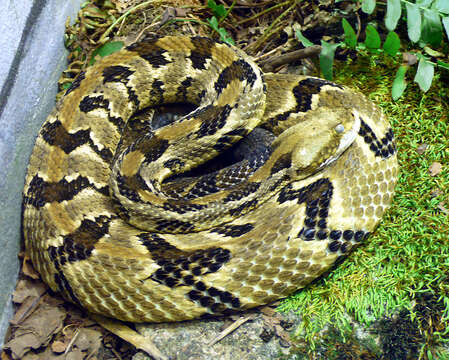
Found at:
[408, 254]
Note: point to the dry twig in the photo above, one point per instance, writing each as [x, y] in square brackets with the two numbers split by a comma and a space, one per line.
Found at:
[231, 328]
[131, 336]
[274, 62]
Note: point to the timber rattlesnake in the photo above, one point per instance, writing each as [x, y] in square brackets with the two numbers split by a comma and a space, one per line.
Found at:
[146, 244]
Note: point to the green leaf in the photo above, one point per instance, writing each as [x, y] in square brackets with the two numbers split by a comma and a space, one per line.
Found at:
[442, 6]
[66, 86]
[218, 10]
[105, 50]
[424, 3]
[431, 52]
[223, 33]
[432, 31]
[225, 36]
[304, 41]
[413, 21]
[399, 83]
[372, 40]
[446, 25]
[443, 64]
[327, 58]
[350, 36]
[392, 43]
[368, 6]
[424, 74]
[393, 14]
[213, 22]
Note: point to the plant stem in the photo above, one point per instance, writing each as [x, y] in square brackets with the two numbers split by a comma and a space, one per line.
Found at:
[263, 12]
[123, 17]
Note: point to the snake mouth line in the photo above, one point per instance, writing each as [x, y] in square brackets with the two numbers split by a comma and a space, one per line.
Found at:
[346, 140]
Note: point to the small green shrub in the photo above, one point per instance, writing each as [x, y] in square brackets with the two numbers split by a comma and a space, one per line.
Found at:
[425, 21]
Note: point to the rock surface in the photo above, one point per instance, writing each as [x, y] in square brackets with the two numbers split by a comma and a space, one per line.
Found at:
[265, 335]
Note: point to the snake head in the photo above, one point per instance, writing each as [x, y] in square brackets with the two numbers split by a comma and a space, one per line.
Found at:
[318, 139]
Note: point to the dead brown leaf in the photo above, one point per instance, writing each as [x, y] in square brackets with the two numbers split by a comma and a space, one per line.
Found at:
[172, 13]
[421, 149]
[409, 58]
[25, 310]
[121, 5]
[58, 346]
[26, 288]
[28, 294]
[442, 207]
[274, 321]
[436, 192]
[27, 267]
[36, 330]
[49, 355]
[88, 340]
[29, 271]
[435, 168]
[182, 12]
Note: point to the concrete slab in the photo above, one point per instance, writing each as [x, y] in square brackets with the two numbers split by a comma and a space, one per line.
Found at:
[32, 57]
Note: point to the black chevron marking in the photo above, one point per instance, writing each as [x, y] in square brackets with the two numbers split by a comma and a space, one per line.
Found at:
[317, 197]
[303, 93]
[59, 256]
[214, 118]
[233, 230]
[164, 225]
[230, 138]
[129, 186]
[77, 246]
[243, 191]
[151, 52]
[121, 74]
[239, 69]
[215, 300]
[76, 83]
[90, 102]
[64, 285]
[201, 53]
[245, 207]
[150, 145]
[180, 207]
[157, 91]
[41, 192]
[183, 89]
[179, 267]
[384, 147]
[54, 133]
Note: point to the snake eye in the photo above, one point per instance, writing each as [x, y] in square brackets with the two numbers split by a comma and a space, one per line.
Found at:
[339, 128]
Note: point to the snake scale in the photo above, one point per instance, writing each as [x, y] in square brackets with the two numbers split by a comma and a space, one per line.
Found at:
[119, 220]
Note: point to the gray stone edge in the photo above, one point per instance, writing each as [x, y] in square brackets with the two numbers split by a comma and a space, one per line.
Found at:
[40, 23]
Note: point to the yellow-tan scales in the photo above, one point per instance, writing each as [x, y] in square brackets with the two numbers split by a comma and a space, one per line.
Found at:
[112, 222]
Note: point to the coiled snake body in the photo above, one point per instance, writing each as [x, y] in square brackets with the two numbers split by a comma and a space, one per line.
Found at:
[117, 219]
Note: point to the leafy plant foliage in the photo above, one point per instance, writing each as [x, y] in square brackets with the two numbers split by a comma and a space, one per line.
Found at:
[220, 14]
[426, 21]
